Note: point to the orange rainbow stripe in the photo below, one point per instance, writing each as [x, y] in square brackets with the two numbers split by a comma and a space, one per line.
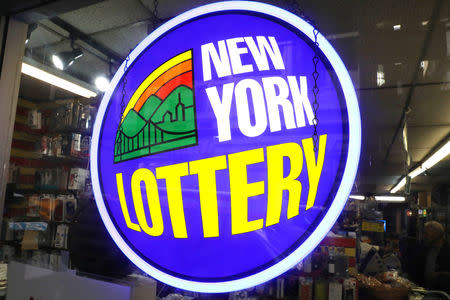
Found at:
[172, 73]
[167, 88]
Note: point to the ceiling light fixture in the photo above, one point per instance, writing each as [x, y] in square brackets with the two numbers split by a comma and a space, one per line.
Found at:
[381, 198]
[43, 73]
[390, 198]
[437, 156]
[397, 27]
[31, 28]
[357, 197]
[416, 172]
[398, 186]
[65, 59]
[102, 83]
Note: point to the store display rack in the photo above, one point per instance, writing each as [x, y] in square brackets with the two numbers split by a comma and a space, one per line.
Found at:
[48, 177]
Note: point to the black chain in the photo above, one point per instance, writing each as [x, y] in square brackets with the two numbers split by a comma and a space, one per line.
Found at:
[155, 20]
[315, 75]
[124, 84]
[122, 101]
[296, 9]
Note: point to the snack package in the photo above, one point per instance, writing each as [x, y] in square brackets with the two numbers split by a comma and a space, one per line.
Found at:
[33, 206]
[46, 207]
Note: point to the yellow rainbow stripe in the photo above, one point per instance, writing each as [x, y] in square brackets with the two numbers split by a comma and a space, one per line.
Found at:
[153, 76]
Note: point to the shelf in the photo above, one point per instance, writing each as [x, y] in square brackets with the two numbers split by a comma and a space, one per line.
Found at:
[10, 243]
[77, 194]
[43, 191]
[69, 131]
[52, 249]
[65, 159]
[18, 244]
[35, 219]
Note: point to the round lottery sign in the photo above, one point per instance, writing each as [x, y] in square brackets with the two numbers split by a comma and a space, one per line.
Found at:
[203, 164]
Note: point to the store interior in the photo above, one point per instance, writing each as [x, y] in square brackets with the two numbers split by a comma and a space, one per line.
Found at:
[398, 56]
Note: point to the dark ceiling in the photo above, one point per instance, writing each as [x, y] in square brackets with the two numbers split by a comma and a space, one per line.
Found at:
[415, 61]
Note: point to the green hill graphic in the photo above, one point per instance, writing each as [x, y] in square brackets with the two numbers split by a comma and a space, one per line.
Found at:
[160, 125]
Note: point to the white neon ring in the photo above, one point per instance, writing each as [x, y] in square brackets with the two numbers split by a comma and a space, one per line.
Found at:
[341, 196]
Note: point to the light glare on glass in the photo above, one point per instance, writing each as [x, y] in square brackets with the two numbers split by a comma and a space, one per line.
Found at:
[102, 83]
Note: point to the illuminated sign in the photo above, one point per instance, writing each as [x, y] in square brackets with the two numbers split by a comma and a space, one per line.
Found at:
[205, 173]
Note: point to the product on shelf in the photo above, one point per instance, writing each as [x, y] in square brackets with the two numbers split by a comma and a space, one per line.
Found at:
[45, 145]
[77, 178]
[35, 119]
[85, 145]
[305, 288]
[61, 236]
[335, 290]
[349, 289]
[30, 240]
[39, 221]
[46, 207]
[58, 213]
[70, 206]
[51, 179]
[75, 149]
[33, 205]
[72, 116]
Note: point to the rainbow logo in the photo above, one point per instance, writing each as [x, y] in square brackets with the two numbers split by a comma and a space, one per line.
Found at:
[160, 115]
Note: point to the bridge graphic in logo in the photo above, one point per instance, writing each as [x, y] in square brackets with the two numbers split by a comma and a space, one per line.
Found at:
[160, 115]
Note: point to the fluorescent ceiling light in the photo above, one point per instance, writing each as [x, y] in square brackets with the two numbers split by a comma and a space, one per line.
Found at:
[424, 23]
[39, 73]
[399, 186]
[357, 197]
[380, 198]
[416, 172]
[390, 198]
[397, 27]
[437, 156]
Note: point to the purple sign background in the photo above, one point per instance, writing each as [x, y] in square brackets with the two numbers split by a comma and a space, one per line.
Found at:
[228, 256]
